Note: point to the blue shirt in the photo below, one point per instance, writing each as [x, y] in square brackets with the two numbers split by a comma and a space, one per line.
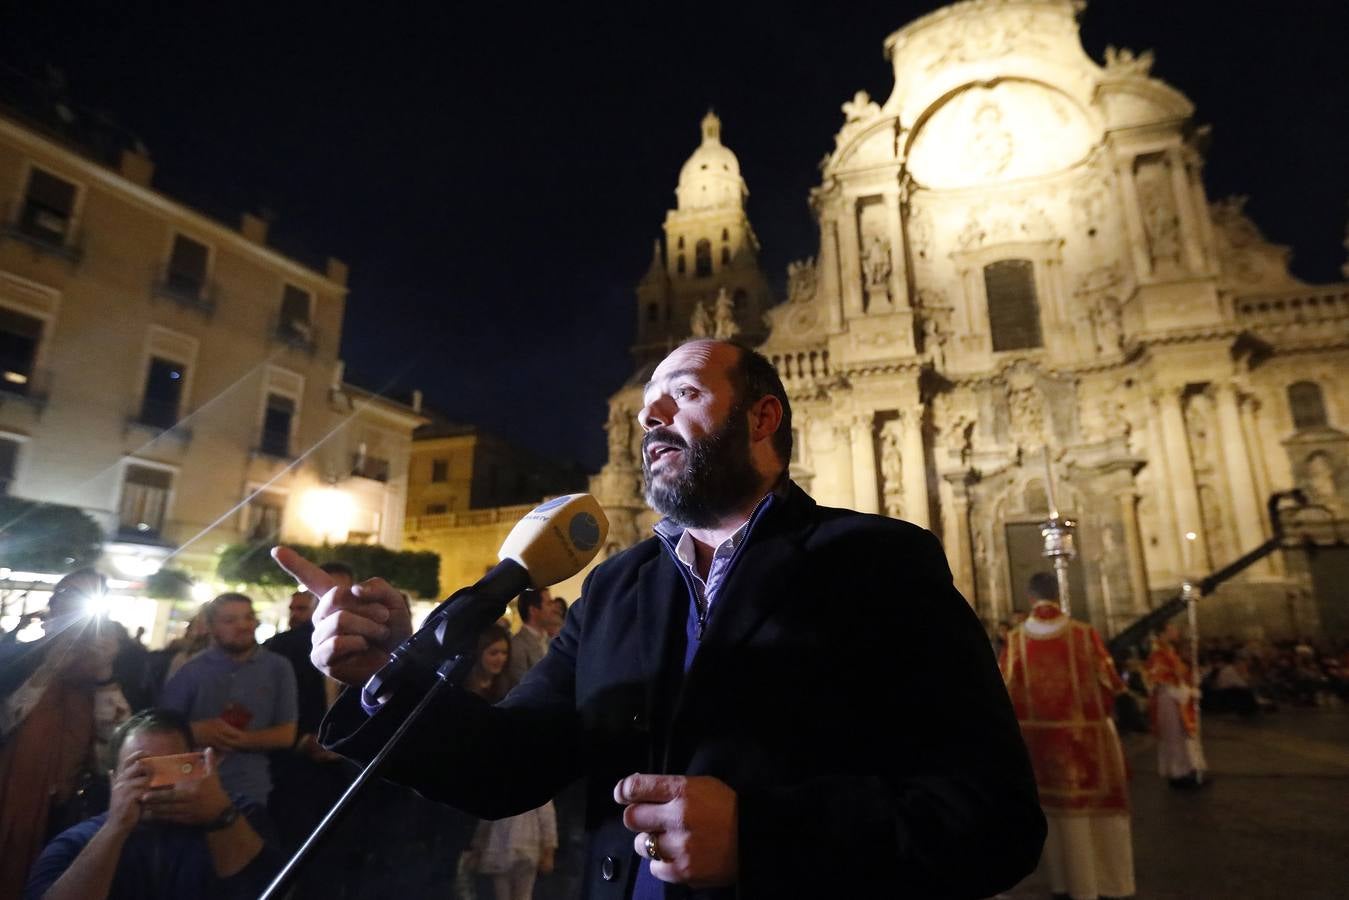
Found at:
[161, 861]
[264, 684]
[703, 595]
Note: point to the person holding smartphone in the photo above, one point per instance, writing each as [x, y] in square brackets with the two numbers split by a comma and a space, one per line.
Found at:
[171, 829]
[239, 697]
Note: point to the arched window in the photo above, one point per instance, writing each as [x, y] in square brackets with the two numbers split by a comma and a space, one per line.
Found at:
[703, 258]
[1013, 313]
[725, 256]
[1307, 405]
[681, 242]
[725, 234]
[679, 266]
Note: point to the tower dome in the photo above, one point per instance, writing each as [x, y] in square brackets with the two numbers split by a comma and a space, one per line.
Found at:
[711, 176]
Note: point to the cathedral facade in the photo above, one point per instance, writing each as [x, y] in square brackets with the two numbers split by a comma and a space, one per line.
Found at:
[1022, 297]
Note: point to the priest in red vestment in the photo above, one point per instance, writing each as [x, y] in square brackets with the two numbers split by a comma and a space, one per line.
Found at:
[1063, 685]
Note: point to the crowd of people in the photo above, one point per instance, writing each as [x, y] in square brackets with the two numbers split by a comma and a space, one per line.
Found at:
[87, 713]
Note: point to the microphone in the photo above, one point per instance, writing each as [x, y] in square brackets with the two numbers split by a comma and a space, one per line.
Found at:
[553, 542]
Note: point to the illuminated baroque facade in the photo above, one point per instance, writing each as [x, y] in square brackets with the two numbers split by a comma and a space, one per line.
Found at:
[1017, 260]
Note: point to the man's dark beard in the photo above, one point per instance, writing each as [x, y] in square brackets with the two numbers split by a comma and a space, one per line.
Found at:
[717, 477]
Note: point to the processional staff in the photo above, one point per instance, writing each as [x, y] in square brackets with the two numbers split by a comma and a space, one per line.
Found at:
[1058, 540]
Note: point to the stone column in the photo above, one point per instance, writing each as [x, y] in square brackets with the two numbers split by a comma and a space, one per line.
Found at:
[1168, 533]
[831, 279]
[843, 455]
[915, 468]
[958, 550]
[899, 279]
[850, 259]
[1240, 475]
[1189, 227]
[1133, 218]
[1133, 542]
[1184, 491]
[866, 493]
[1250, 427]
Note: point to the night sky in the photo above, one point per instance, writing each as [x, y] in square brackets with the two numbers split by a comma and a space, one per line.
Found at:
[495, 173]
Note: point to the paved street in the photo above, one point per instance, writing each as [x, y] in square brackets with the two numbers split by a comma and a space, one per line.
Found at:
[1274, 823]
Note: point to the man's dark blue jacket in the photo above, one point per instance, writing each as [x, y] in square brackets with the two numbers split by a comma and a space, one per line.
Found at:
[843, 688]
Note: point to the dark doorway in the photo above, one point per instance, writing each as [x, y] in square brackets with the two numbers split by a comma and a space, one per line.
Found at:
[1025, 557]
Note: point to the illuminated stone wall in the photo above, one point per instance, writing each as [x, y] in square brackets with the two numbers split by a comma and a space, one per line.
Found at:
[95, 277]
[1018, 260]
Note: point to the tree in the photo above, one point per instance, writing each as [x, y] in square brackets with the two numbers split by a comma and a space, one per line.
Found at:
[47, 537]
[417, 572]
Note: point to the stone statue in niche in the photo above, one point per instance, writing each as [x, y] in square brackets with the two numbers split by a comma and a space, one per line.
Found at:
[876, 262]
[892, 467]
[700, 326]
[954, 418]
[724, 326]
[619, 428]
[1160, 219]
[1320, 480]
[801, 280]
[1027, 414]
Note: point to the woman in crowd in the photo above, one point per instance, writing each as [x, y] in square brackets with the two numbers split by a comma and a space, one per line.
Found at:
[51, 693]
[516, 850]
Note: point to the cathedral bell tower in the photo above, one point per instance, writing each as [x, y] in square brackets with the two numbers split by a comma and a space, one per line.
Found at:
[707, 282]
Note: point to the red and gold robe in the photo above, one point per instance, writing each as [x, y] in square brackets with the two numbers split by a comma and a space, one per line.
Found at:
[1167, 668]
[1063, 684]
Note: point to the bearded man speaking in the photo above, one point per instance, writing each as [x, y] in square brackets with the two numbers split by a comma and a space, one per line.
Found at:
[768, 698]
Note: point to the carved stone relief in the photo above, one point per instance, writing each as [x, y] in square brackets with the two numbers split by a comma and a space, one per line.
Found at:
[700, 324]
[1123, 62]
[724, 324]
[892, 467]
[801, 280]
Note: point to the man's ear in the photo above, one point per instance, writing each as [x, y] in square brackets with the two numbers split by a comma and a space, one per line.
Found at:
[765, 418]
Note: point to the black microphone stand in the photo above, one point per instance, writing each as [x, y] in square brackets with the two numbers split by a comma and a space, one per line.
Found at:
[447, 675]
[450, 631]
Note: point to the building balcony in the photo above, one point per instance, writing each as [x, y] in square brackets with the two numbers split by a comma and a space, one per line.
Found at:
[1311, 305]
[162, 418]
[189, 293]
[296, 335]
[275, 444]
[371, 467]
[31, 386]
[45, 233]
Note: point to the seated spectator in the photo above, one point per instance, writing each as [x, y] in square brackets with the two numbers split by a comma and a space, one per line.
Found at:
[1229, 690]
[173, 842]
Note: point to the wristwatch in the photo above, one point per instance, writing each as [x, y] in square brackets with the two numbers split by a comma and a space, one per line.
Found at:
[224, 820]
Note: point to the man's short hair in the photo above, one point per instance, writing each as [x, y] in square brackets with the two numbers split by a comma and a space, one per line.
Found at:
[1043, 586]
[529, 601]
[753, 378]
[219, 601]
[338, 568]
[154, 719]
